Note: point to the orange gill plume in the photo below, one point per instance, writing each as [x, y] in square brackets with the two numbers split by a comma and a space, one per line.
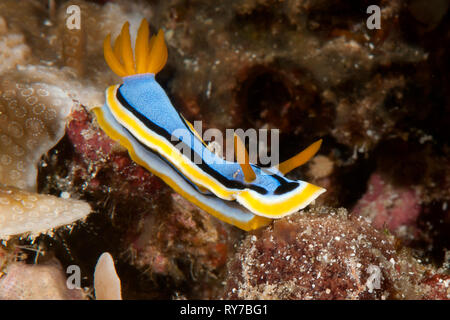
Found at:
[299, 159]
[150, 55]
[284, 168]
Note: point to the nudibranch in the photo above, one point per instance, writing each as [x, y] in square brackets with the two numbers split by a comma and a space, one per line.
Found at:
[139, 115]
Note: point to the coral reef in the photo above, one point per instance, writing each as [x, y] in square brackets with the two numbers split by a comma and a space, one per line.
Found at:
[32, 121]
[379, 99]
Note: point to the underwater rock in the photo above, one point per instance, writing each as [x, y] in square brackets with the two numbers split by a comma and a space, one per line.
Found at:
[409, 199]
[102, 164]
[32, 213]
[322, 254]
[185, 244]
[361, 122]
[46, 281]
[228, 44]
[387, 206]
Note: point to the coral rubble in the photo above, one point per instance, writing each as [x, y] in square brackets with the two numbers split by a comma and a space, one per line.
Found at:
[324, 254]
